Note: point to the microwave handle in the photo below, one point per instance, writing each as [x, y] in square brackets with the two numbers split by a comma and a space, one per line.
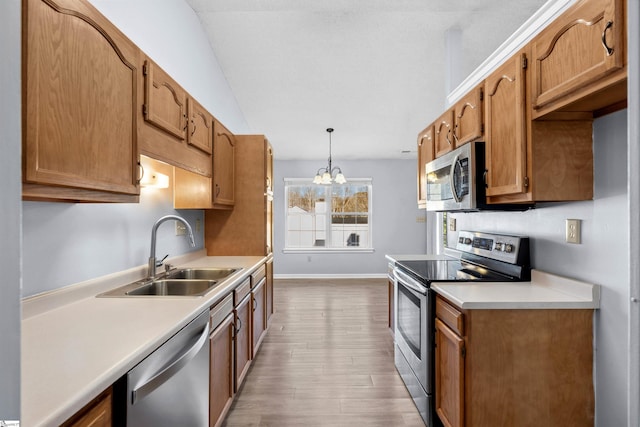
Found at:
[452, 181]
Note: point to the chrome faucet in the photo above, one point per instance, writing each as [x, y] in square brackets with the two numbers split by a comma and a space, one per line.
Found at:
[152, 256]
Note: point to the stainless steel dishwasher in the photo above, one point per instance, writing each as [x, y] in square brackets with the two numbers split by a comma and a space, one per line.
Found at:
[171, 386]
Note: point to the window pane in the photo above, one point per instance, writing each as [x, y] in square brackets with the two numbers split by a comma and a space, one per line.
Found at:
[332, 216]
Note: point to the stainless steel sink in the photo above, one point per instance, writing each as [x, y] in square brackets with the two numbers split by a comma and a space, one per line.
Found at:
[174, 287]
[185, 282]
[201, 273]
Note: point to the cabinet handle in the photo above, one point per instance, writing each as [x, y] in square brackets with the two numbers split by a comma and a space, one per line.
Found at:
[455, 137]
[254, 304]
[217, 190]
[186, 122]
[484, 178]
[140, 172]
[194, 127]
[447, 137]
[239, 326]
[604, 38]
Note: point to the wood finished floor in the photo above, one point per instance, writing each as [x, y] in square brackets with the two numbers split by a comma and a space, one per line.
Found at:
[327, 360]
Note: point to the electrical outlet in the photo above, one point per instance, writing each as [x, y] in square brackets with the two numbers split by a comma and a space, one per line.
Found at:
[181, 230]
[573, 231]
[452, 224]
[198, 225]
[421, 219]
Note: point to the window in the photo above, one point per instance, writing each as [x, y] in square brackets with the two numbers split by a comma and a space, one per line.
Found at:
[328, 217]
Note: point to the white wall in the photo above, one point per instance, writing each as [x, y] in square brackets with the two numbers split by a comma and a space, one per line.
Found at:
[70, 243]
[10, 207]
[169, 32]
[602, 258]
[395, 229]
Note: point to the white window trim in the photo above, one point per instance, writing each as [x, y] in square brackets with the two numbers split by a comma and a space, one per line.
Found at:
[302, 181]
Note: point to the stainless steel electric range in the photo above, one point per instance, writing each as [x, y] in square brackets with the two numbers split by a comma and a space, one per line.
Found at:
[477, 257]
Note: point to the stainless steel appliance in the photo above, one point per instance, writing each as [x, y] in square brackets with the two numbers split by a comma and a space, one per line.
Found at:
[456, 182]
[171, 386]
[477, 257]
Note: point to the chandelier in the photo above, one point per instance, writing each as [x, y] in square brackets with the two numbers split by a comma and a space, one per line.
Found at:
[328, 175]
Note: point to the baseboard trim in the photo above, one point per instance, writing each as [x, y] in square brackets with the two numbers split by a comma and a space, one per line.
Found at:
[330, 276]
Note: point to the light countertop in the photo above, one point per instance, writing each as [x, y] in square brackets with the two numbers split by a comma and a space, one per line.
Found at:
[75, 345]
[544, 291]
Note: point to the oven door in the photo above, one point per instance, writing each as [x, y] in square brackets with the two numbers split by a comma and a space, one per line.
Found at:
[414, 327]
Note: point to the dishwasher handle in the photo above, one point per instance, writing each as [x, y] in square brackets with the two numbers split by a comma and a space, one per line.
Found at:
[171, 368]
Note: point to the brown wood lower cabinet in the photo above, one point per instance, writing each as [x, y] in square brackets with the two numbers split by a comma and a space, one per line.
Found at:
[221, 388]
[258, 315]
[269, 289]
[98, 413]
[514, 367]
[243, 353]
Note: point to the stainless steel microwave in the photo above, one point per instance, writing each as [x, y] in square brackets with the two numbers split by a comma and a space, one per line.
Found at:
[456, 182]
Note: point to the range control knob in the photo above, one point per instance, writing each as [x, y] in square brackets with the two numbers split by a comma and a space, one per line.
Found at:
[460, 239]
[467, 241]
[508, 248]
[498, 246]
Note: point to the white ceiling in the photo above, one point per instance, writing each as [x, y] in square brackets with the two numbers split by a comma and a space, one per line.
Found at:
[372, 69]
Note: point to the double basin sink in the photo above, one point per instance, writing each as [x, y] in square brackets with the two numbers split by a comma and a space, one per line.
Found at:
[181, 282]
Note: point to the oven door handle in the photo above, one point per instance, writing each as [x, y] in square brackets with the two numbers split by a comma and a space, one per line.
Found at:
[409, 282]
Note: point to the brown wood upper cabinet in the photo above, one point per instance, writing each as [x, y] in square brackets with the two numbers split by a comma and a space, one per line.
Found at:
[468, 118]
[425, 155]
[506, 140]
[578, 58]
[80, 84]
[176, 128]
[532, 161]
[443, 134]
[248, 228]
[223, 166]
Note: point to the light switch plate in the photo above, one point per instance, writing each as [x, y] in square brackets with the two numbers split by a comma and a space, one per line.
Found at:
[452, 224]
[181, 230]
[573, 230]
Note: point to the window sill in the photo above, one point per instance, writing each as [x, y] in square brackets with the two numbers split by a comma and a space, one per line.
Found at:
[327, 250]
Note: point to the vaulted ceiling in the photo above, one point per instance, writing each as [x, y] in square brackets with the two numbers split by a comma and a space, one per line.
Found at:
[375, 70]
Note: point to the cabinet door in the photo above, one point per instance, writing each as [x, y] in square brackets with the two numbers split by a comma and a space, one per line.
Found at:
[425, 155]
[392, 293]
[258, 315]
[97, 413]
[468, 118]
[200, 127]
[443, 128]
[242, 343]
[269, 289]
[221, 371]
[449, 376]
[164, 101]
[269, 197]
[506, 128]
[79, 102]
[223, 166]
[583, 45]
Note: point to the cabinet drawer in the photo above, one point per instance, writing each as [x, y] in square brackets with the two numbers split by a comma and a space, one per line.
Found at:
[241, 291]
[221, 310]
[258, 275]
[450, 316]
